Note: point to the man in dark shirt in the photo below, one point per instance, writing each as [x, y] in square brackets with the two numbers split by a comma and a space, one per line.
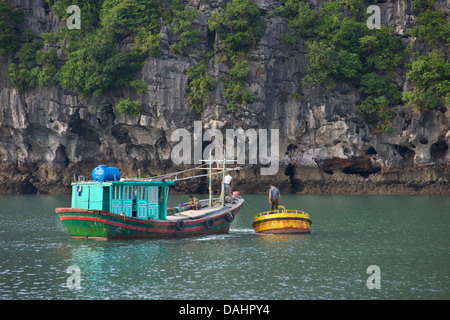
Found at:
[274, 197]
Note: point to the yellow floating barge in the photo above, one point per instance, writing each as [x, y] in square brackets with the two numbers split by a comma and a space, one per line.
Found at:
[282, 221]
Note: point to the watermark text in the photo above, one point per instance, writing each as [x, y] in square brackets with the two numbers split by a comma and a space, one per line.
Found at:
[234, 143]
[374, 280]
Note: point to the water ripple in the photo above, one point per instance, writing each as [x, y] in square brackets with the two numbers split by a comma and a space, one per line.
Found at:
[331, 263]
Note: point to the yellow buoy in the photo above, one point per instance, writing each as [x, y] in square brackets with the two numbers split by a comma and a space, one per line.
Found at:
[282, 221]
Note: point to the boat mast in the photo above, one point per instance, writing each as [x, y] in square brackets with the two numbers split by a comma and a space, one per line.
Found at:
[210, 174]
[223, 178]
[210, 178]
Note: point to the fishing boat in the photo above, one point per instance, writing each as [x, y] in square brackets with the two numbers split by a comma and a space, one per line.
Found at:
[112, 208]
[282, 221]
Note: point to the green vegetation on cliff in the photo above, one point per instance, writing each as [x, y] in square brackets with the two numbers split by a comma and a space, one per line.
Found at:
[429, 73]
[200, 83]
[340, 47]
[98, 55]
[10, 18]
[240, 28]
[118, 36]
[130, 108]
[37, 67]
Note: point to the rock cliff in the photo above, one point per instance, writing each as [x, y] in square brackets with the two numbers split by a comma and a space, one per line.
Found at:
[50, 135]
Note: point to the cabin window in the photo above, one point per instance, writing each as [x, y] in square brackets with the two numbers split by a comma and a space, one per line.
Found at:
[152, 194]
[142, 195]
[127, 193]
[117, 194]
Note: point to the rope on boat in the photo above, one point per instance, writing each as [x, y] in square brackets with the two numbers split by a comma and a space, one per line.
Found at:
[207, 174]
[164, 176]
[176, 173]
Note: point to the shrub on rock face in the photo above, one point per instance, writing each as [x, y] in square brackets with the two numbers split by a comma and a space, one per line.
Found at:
[129, 108]
[240, 27]
[430, 76]
[10, 18]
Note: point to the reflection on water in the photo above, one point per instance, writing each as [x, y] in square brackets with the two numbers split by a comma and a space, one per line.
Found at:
[348, 234]
[278, 239]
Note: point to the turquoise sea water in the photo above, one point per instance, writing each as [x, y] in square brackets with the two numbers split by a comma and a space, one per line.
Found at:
[406, 237]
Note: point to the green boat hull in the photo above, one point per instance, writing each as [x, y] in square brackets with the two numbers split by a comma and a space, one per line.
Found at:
[98, 224]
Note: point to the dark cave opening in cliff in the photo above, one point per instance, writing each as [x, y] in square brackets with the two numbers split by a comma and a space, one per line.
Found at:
[47, 8]
[61, 156]
[363, 173]
[362, 168]
[371, 150]
[438, 150]
[295, 184]
[289, 171]
[405, 152]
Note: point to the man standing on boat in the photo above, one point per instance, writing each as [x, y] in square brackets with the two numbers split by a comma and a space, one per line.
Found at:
[229, 186]
[274, 197]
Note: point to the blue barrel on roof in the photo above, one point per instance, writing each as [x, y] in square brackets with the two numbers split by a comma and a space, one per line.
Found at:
[104, 173]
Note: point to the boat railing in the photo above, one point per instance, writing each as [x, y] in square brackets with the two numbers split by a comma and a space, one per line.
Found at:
[282, 210]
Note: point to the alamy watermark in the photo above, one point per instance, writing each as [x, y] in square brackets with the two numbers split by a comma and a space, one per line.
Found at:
[74, 280]
[234, 144]
[374, 280]
[74, 21]
[374, 21]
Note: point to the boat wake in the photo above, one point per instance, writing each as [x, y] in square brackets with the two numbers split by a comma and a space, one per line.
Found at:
[242, 231]
[231, 233]
[212, 237]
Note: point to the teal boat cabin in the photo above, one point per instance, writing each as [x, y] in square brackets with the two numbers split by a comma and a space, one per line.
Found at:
[136, 199]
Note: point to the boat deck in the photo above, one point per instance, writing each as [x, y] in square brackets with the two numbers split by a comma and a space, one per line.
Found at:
[195, 214]
[192, 214]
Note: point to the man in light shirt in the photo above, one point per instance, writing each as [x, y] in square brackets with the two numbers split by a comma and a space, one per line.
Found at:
[229, 186]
